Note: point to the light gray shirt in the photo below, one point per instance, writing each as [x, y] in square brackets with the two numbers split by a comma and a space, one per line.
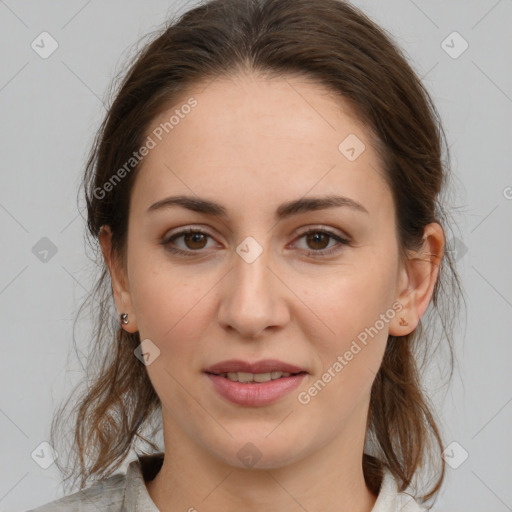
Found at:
[128, 493]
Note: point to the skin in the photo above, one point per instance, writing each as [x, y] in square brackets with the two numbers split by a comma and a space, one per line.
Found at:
[252, 144]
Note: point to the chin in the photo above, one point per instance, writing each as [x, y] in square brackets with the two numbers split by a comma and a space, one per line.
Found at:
[258, 451]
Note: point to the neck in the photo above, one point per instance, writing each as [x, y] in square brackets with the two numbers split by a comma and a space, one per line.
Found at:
[330, 479]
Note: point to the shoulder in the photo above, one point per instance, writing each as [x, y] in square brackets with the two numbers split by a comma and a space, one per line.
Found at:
[406, 503]
[118, 493]
[106, 495]
[390, 500]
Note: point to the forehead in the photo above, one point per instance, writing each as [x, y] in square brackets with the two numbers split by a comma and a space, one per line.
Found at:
[254, 111]
[260, 136]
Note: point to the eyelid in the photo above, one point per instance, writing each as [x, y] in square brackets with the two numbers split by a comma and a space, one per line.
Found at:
[327, 229]
[341, 238]
[181, 231]
[199, 228]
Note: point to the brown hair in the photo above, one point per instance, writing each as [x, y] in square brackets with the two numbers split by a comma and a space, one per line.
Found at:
[336, 45]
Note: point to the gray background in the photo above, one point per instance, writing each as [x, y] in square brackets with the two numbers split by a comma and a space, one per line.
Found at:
[50, 109]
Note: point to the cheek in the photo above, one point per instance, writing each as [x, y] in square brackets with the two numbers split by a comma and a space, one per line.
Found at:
[169, 304]
[357, 309]
[352, 302]
[172, 313]
[350, 358]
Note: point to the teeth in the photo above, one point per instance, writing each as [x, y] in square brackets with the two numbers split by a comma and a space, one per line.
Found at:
[254, 377]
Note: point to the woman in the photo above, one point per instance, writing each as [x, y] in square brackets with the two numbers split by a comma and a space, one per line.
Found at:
[265, 194]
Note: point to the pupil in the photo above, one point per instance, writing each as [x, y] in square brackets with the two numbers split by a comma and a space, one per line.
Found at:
[196, 237]
[317, 238]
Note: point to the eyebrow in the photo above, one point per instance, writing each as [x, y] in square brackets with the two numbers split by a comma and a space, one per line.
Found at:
[288, 209]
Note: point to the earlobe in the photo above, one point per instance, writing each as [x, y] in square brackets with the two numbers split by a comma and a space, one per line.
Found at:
[418, 276]
[127, 323]
[120, 292]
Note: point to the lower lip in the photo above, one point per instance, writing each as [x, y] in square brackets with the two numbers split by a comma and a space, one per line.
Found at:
[255, 393]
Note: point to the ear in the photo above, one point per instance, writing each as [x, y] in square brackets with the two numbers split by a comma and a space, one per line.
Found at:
[417, 278]
[120, 289]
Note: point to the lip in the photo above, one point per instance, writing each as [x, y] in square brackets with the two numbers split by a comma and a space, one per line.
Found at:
[254, 394]
[264, 366]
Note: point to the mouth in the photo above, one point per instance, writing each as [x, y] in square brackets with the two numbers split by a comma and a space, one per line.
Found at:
[258, 367]
[254, 384]
[252, 378]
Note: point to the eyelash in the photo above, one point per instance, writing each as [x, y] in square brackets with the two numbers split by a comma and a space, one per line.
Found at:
[320, 253]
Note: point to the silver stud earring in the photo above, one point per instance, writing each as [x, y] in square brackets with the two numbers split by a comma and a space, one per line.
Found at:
[124, 318]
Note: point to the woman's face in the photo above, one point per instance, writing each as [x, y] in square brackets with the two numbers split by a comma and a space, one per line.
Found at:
[254, 286]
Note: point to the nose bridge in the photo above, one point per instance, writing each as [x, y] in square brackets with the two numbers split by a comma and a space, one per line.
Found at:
[251, 272]
[251, 300]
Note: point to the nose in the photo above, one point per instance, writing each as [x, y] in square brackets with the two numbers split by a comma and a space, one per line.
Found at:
[253, 297]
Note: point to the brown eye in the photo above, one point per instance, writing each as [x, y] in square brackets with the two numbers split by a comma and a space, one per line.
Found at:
[191, 241]
[195, 240]
[318, 240]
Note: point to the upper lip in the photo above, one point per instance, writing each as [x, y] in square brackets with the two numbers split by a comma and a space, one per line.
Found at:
[264, 366]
